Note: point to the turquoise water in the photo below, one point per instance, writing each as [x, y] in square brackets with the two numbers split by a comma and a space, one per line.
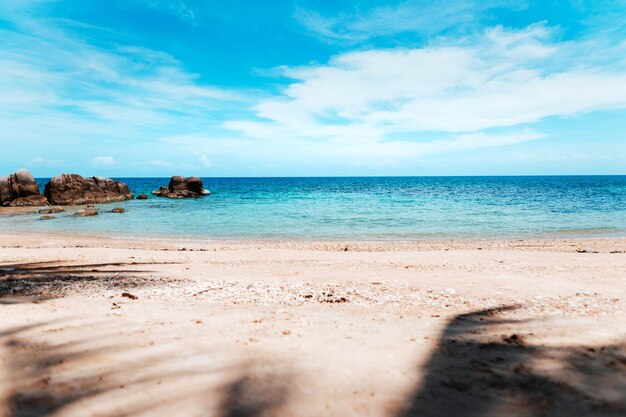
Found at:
[387, 208]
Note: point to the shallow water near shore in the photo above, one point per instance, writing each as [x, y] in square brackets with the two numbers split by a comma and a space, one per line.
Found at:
[364, 208]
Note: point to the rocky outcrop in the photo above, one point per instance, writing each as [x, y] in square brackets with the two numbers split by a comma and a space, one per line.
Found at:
[72, 189]
[20, 189]
[142, 196]
[181, 187]
[118, 210]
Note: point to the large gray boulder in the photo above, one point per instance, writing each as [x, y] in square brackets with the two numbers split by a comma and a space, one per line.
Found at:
[20, 189]
[72, 189]
[181, 187]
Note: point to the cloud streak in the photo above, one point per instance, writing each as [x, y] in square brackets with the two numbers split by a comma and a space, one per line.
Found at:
[418, 17]
[103, 161]
[57, 84]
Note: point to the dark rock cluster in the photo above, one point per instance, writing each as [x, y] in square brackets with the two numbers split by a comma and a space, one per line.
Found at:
[20, 189]
[181, 187]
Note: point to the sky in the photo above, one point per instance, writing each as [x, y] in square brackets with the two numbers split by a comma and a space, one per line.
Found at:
[244, 88]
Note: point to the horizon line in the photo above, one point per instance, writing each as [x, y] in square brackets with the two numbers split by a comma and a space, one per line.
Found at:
[361, 176]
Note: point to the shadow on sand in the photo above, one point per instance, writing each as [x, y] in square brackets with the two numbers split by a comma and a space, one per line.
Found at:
[43, 280]
[96, 377]
[479, 369]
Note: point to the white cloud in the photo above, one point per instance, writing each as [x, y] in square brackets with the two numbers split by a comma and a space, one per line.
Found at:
[45, 162]
[103, 161]
[501, 79]
[205, 161]
[345, 151]
[395, 151]
[158, 163]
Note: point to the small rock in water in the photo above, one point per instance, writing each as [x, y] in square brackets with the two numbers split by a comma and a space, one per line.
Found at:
[90, 210]
[47, 218]
[118, 210]
[51, 210]
[142, 196]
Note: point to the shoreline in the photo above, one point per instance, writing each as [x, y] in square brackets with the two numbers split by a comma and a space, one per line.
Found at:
[558, 244]
[261, 271]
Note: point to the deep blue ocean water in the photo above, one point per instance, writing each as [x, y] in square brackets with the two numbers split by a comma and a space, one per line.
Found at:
[366, 208]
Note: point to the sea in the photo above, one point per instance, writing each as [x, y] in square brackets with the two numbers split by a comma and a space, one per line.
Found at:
[359, 208]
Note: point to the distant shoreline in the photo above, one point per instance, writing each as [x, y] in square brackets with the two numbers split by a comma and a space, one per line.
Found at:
[578, 245]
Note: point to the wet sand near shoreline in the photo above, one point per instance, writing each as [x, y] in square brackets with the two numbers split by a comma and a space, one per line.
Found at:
[131, 327]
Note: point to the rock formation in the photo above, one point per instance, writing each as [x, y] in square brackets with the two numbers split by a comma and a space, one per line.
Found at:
[20, 189]
[72, 189]
[181, 187]
[142, 196]
[118, 210]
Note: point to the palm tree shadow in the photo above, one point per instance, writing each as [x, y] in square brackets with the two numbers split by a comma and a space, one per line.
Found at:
[478, 372]
[37, 281]
[475, 371]
[42, 379]
[255, 395]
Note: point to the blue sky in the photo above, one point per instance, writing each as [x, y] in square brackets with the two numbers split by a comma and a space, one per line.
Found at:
[298, 88]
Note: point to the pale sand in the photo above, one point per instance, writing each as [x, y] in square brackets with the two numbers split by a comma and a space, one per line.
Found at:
[311, 328]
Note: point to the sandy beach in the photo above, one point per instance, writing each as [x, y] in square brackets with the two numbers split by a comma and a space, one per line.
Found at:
[372, 208]
[130, 327]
